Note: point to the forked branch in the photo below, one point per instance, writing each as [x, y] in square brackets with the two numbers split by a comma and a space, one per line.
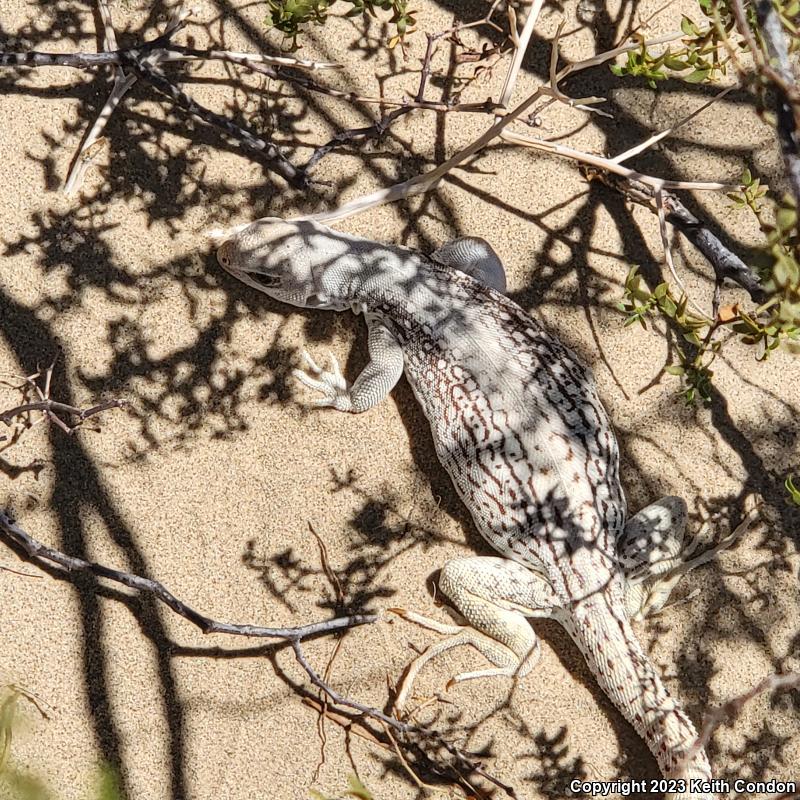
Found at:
[67, 417]
[50, 559]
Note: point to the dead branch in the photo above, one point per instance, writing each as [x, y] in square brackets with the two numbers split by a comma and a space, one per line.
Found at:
[725, 263]
[787, 95]
[49, 558]
[378, 129]
[142, 61]
[730, 710]
[48, 407]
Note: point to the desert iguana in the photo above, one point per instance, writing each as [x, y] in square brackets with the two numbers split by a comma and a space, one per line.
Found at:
[519, 427]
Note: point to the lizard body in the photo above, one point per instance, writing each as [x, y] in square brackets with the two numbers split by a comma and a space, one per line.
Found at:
[518, 425]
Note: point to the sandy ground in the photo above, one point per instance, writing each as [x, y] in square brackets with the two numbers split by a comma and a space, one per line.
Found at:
[212, 483]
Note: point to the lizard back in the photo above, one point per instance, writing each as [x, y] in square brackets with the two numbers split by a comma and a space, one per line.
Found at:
[516, 422]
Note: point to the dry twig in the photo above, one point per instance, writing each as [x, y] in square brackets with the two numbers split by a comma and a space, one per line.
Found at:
[19, 418]
[726, 264]
[728, 712]
[50, 559]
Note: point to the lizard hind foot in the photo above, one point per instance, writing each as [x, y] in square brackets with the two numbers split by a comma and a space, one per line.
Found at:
[331, 384]
[506, 662]
[495, 596]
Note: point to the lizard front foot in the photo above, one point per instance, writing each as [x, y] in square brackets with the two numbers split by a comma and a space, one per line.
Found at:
[332, 385]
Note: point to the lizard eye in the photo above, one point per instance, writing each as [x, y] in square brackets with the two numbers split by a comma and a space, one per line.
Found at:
[265, 280]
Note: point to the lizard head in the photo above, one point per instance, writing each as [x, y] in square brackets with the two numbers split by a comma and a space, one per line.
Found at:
[274, 256]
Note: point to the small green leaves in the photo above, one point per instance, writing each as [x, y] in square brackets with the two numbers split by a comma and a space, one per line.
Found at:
[693, 369]
[688, 27]
[698, 76]
[794, 492]
[786, 218]
[704, 55]
[289, 16]
[636, 302]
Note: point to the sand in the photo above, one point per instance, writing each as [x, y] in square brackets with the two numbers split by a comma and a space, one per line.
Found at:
[212, 482]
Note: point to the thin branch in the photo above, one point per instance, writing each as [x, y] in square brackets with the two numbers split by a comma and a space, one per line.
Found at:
[176, 53]
[788, 98]
[276, 161]
[51, 406]
[608, 164]
[379, 128]
[428, 180]
[122, 83]
[109, 35]
[142, 62]
[726, 264]
[48, 557]
[732, 709]
[662, 228]
[395, 724]
[648, 143]
[48, 407]
[521, 47]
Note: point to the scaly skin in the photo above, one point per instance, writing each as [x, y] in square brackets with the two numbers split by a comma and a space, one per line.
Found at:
[517, 424]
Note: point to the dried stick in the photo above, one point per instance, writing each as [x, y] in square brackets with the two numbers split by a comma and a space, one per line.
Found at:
[521, 42]
[788, 97]
[49, 407]
[122, 82]
[662, 229]
[724, 262]
[732, 709]
[49, 558]
[428, 180]
[648, 143]
[608, 164]
[276, 161]
[395, 724]
[142, 62]
[378, 129]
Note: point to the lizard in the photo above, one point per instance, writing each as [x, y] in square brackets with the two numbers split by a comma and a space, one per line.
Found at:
[518, 425]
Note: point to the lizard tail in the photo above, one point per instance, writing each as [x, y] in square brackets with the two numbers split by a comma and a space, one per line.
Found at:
[602, 630]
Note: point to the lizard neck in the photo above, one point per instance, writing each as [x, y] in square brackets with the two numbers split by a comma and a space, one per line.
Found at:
[388, 281]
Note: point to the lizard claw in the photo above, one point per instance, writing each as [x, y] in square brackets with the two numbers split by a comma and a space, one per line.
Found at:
[331, 384]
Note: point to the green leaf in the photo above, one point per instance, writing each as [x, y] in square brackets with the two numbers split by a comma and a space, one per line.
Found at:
[668, 307]
[675, 369]
[794, 492]
[357, 789]
[616, 69]
[698, 76]
[674, 63]
[692, 338]
[687, 26]
[747, 177]
[786, 218]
